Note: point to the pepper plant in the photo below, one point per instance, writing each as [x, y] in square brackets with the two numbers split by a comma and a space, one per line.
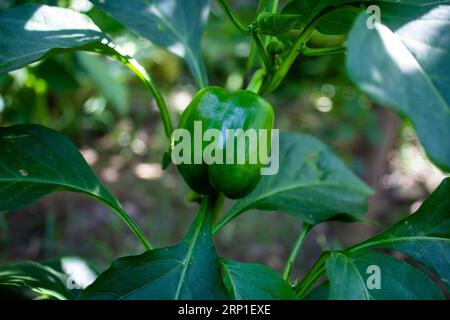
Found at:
[396, 51]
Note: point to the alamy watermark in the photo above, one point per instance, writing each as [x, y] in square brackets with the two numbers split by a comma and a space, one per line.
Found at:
[72, 283]
[374, 13]
[242, 147]
[373, 282]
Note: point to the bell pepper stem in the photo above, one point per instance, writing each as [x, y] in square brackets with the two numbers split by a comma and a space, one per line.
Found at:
[295, 250]
[218, 201]
[212, 204]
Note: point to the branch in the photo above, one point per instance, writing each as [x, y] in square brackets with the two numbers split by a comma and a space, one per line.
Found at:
[233, 17]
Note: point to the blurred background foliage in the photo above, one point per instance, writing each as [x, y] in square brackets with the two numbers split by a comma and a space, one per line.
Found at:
[114, 121]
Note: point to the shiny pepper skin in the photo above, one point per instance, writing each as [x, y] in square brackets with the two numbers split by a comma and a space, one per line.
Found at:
[218, 109]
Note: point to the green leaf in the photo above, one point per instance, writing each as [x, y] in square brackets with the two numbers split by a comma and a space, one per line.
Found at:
[349, 275]
[424, 236]
[321, 292]
[108, 82]
[273, 24]
[337, 16]
[337, 22]
[58, 76]
[254, 282]
[312, 184]
[404, 63]
[189, 270]
[36, 161]
[32, 32]
[40, 279]
[171, 24]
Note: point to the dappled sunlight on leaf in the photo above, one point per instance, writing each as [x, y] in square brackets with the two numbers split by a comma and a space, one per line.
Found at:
[34, 31]
[404, 65]
[174, 25]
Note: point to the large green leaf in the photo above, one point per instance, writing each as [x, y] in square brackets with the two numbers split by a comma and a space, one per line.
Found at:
[255, 282]
[349, 273]
[36, 161]
[32, 32]
[189, 270]
[404, 63]
[312, 184]
[172, 24]
[424, 236]
[321, 292]
[41, 280]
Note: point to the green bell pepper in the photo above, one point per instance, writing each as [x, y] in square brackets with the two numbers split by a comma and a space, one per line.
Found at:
[215, 108]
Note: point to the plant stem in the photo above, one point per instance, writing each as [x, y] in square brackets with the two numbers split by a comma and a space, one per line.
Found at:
[218, 202]
[273, 6]
[258, 41]
[322, 51]
[299, 44]
[233, 17]
[137, 232]
[160, 102]
[263, 6]
[298, 244]
[109, 49]
[290, 58]
[256, 81]
[316, 271]
[262, 51]
[117, 208]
